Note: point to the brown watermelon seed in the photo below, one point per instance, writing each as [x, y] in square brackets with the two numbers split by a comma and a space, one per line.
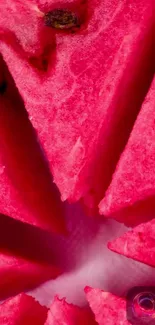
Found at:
[61, 19]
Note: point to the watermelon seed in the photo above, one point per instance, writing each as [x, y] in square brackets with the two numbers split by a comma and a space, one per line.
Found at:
[61, 19]
[3, 87]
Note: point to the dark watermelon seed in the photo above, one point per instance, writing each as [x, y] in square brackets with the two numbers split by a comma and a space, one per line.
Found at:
[61, 19]
[3, 87]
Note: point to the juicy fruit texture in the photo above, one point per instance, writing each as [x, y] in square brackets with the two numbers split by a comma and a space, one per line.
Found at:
[131, 195]
[24, 262]
[137, 244]
[18, 274]
[63, 313]
[22, 310]
[83, 106]
[107, 308]
[26, 186]
[22, 20]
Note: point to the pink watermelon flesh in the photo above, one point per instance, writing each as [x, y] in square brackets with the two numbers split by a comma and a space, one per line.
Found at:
[26, 186]
[18, 274]
[19, 238]
[131, 195]
[85, 103]
[21, 267]
[63, 313]
[107, 308]
[22, 310]
[137, 244]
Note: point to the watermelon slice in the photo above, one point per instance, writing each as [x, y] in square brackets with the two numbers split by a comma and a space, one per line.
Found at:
[18, 274]
[26, 186]
[85, 103]
[131, 195]
[63, 313]
[19, 238]
[26, 260]
[137, 244]
[107, 308]
[22, 310]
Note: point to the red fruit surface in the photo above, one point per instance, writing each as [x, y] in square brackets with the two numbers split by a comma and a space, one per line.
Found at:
[26, 257]
[26, 186]
[107, 308]
[85, 103]
[131, 195]
[22, 310]
[63, 313]
[137, 244]
[18, 274]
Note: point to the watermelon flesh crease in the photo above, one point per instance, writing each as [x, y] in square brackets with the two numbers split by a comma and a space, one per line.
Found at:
[27, 190]
[22, 310]
[18, 238]
[21, 267]
[73, 99]
[107, 308]
[63, 313]
[137, 244]
[131, 195]
[19, 274]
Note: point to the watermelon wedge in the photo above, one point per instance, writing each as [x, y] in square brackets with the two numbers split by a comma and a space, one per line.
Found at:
[107, 308]
[18, 274]
[63, 313]
[137, 244]
[26, 186]
[85, 103]
[131, 195]
[22, 310]
[26, 260]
